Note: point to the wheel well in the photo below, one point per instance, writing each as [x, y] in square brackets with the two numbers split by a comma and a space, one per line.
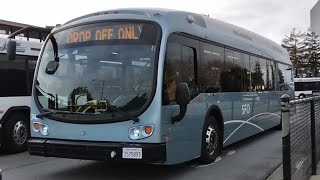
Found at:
[14, 110]
[216, 112]
[302, 94]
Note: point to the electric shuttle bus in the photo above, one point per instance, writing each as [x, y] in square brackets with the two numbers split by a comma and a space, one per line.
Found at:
[153, 86]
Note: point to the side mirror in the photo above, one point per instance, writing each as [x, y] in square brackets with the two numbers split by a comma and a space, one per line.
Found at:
[183, 99]
[11, 49]
[183, 94]
[52, 67]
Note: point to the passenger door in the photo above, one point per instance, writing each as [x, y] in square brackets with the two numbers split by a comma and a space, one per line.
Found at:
[180, 66]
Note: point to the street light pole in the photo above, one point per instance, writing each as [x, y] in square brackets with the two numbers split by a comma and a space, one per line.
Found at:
[102, 89]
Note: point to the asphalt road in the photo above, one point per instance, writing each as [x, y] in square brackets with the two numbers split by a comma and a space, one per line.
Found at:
[254, 158]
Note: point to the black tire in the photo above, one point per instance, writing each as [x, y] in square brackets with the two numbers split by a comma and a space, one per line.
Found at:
[209, 152]
[16, 133]
[302, 96]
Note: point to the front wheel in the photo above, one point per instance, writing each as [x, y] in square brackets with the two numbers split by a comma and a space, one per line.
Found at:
[211, 138]
[16, 134]
[302, 96]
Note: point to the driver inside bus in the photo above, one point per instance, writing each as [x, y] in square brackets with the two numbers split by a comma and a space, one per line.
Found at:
[170, 86]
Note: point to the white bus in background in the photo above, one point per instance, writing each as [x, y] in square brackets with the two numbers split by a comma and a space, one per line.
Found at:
[15, 89]
[305, 87]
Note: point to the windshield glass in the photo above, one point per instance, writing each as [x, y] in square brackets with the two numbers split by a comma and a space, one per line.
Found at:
[90, 68]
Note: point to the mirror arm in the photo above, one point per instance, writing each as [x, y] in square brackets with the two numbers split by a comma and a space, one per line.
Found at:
[29, 28]
[180, 116]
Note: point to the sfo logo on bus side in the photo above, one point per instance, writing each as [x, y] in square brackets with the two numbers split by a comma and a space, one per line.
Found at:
[245, 109]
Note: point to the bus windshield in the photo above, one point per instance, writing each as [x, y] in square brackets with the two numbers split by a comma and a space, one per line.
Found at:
[104, 70]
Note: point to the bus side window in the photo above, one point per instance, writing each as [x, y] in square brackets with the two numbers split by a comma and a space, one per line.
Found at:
[212, 61]
[259, 74]
[17, 72]
[31, 65]
[178, 67]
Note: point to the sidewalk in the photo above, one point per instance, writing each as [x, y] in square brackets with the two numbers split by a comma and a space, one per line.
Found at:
[316, 177]
[278, 175]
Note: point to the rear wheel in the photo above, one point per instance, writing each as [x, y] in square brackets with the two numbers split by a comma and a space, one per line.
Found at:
[211, 141]
[16, 133]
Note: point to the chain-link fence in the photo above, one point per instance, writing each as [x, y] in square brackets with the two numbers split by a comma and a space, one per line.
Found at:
[300, 137]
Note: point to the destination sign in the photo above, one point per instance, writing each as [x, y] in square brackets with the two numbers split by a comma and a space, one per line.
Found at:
[101, 33]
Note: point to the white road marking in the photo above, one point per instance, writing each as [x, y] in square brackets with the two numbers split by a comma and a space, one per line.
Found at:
[231, 152]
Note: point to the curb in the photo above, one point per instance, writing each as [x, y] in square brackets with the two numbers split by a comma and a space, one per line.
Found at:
[314, 177]
[277, 174]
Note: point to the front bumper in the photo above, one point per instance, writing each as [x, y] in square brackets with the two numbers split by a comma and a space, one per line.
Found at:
[151, 153]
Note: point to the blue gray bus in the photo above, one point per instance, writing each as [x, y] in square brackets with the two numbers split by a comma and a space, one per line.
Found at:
[153, 86]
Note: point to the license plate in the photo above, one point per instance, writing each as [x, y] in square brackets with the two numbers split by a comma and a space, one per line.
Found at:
[132, 153]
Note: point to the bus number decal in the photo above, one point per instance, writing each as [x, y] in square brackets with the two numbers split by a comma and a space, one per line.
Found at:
[245, 109]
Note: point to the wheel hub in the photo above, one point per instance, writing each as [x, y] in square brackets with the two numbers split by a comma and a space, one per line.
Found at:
[211, 140]
[20, 132]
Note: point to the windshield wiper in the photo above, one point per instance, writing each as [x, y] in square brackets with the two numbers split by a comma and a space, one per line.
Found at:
[135, 119]
[48, 112]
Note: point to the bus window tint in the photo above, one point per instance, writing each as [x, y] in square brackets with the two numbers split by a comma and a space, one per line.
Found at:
[172, 70]
[178, 67]
[285, 77]
[246, 73]
[211, 67]
[236, 74]
[270, 86]
[13, 75]
[258, 76]
[272, 75]
[32, 61]
[231, 75]
[187, 65]
[304, 86]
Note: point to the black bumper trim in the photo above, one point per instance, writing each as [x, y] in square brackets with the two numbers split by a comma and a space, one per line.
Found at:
[151, 153]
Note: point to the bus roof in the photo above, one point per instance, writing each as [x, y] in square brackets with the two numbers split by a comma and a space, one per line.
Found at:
[311, 79]
[197, 25]
[24, 47]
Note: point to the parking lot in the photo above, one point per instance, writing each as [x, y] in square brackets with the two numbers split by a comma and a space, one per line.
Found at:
[235, 163]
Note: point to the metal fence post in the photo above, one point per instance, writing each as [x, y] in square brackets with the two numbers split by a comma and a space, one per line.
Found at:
[286, 153]
[313, 139]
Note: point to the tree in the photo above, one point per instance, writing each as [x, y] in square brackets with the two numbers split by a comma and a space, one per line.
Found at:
[294, 45]
[311, 53]
[257, 78]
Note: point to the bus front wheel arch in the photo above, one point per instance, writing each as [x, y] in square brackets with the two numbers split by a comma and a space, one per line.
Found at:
[211, 138]
[302, 96]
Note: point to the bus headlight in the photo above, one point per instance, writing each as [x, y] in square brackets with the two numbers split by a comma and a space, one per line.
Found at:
[140, 132]
[44, 130]
[134, 133]
[41, 127]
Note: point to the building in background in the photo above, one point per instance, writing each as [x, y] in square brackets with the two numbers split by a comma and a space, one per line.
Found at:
[315, 18]
[8, 27]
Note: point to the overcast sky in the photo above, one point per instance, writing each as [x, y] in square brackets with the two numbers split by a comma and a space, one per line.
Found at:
[270, 18]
